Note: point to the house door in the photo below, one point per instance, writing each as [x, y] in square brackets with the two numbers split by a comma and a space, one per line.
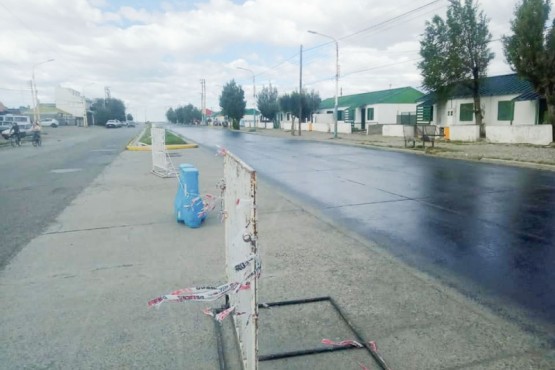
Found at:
[363, 119]
[450, 117]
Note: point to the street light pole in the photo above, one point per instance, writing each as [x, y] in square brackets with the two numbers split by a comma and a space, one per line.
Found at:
[336, 79]
[85, 116]
[36, 112]
[253, 94]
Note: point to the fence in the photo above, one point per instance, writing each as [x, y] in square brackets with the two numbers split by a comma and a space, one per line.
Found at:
[242, 263]
[406, 118]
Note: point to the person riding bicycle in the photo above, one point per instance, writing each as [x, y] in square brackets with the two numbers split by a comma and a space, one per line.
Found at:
[36, 131]
[14, 131]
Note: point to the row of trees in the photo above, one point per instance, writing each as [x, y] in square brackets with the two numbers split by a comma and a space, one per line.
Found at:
[269, 103]
[107, 109]
[456, 51]
[184, 114]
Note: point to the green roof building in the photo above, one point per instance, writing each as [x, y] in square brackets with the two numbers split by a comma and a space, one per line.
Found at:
[371, 108]
[505, 100]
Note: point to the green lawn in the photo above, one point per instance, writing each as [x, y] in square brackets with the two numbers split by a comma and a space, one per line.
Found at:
[171, 139]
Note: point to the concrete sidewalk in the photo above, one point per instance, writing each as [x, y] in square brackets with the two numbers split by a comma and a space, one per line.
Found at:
[75, 297]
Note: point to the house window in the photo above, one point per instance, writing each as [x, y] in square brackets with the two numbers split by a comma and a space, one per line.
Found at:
[505, 110]
[467, 112]
[370, 114]
[428, 113]
[340, 115]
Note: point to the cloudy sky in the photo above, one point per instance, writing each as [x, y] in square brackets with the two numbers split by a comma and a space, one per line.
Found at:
[152, 54]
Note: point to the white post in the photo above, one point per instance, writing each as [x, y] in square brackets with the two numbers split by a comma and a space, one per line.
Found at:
[36, 113]
[253, 94]
[336, 79]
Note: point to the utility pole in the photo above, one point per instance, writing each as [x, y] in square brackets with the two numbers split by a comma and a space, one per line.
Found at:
[253, 94]
[336, 79]
[203, 100]
[36, 113]
[300, 89]
[33, 97]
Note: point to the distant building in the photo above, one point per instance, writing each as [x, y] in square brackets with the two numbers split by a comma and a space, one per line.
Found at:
[72, 102]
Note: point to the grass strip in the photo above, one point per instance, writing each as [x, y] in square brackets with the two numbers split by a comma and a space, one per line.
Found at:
[171, 138]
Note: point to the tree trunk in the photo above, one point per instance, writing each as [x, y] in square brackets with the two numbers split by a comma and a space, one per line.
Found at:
[292, 125]
[550, 119]
[477, 102]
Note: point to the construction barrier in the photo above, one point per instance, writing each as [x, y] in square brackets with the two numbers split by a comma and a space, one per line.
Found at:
[161, 163]
[242, 262]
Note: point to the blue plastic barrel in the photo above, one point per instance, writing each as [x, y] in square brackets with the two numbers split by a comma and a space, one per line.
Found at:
[188, 204]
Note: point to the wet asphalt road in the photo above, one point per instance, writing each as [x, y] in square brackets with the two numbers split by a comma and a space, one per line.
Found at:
[487, 230]
[36, 184]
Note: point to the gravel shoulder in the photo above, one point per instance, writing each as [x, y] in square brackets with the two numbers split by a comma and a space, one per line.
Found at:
[533, 156]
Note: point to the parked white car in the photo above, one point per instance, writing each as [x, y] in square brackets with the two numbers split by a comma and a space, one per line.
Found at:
[49, 122]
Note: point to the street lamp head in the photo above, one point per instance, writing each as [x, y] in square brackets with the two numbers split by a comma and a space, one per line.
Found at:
[314, 32]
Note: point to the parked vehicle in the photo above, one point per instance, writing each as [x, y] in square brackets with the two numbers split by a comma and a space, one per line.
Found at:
[25, 129]
[7, 120]
[49, 122]
[114, 123]
[130, 124]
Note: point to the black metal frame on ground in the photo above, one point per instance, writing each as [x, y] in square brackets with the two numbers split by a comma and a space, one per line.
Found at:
[276, 356]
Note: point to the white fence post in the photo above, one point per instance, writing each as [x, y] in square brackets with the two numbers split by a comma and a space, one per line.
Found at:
[241, 246]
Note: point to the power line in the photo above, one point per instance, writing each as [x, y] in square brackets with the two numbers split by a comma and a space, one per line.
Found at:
[396, 18]
[373, 27]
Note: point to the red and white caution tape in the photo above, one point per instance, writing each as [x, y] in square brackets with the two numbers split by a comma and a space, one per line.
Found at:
[210, 293]
[343, 343]
[201, 294]
[222, 152]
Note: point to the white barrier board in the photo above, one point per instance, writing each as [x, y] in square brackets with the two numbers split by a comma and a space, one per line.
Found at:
[241, 245]
[160, 162]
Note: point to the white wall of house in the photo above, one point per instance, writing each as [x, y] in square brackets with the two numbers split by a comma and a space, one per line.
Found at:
[464, 133]
[524, 112]
[70, 101]
[386, 114]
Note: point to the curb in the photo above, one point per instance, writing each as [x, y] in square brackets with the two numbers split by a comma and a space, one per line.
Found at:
[498, 161]
[132, 147]
[147, 148]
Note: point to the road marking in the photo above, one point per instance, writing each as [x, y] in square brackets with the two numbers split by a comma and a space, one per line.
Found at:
[66, 170]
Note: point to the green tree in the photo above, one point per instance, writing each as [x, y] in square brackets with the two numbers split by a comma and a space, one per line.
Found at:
[456, 51]
[311, 103]
[107, 109]
[129, 117]
[287, 105]
[530, 51]
[267, 103]
[171, 116]
[233, 103]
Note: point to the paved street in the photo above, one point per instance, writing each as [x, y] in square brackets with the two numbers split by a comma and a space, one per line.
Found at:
[486, 229]
[36, 184]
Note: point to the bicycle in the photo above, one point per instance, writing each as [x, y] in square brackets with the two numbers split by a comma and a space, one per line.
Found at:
[15, 140]
[37, 140]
